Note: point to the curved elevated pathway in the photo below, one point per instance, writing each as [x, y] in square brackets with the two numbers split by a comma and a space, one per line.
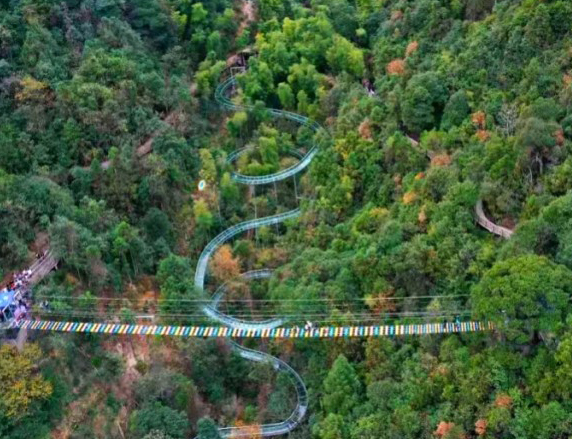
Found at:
[480, 216]
[487, 224]
[222, 96]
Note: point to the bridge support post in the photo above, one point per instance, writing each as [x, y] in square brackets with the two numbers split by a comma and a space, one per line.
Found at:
[295, 187]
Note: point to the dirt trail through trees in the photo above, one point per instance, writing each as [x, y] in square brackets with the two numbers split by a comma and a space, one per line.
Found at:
[146, 147]
[247, 9]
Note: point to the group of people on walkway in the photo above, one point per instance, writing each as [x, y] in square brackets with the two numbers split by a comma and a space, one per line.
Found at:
[307, 327]
[18, 289]
[20, 280]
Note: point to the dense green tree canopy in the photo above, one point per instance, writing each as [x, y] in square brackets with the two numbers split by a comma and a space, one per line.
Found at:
[108, 123]
[524, 294]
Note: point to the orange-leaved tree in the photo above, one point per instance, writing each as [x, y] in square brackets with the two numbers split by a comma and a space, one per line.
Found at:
[224, 266]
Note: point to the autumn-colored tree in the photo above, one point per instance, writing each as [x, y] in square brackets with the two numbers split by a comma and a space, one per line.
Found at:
[381, 303]
[409, 197]
[440, 160]
[448, 430]
[247, 431]
[481, 427]
[479, 119]
[444, 428]
[22, 385]
[483, 135]
[32, 90]
[364, 129]
[559, 137]
[224, 266]
[411, 48]
[396, 67]
[396, 15]
[503, 400]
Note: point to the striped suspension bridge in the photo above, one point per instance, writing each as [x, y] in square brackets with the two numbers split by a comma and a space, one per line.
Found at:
[275, 333]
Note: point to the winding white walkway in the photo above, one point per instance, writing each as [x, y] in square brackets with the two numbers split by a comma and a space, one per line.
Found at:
[222, 96]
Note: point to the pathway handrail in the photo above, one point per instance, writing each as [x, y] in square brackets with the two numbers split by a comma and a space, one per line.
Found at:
[232, 231]
[487, 224]
[222, 99]
[297, 414]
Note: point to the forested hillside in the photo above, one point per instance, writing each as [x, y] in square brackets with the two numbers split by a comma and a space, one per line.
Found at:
[108, 122]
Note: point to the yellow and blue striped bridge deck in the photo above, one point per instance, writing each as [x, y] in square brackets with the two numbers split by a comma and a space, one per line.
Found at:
[286, 332]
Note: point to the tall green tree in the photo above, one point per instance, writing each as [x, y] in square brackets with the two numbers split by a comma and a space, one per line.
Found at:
[423, 101]
[341, 388]
[523, 295]
[207, 429]
[157, 417]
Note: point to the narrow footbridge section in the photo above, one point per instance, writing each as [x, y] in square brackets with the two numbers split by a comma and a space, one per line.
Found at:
[277, 333]
[487, 224]
[42, 267]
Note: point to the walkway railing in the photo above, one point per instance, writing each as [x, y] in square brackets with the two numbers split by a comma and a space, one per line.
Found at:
[487, 224]
[221, 97]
